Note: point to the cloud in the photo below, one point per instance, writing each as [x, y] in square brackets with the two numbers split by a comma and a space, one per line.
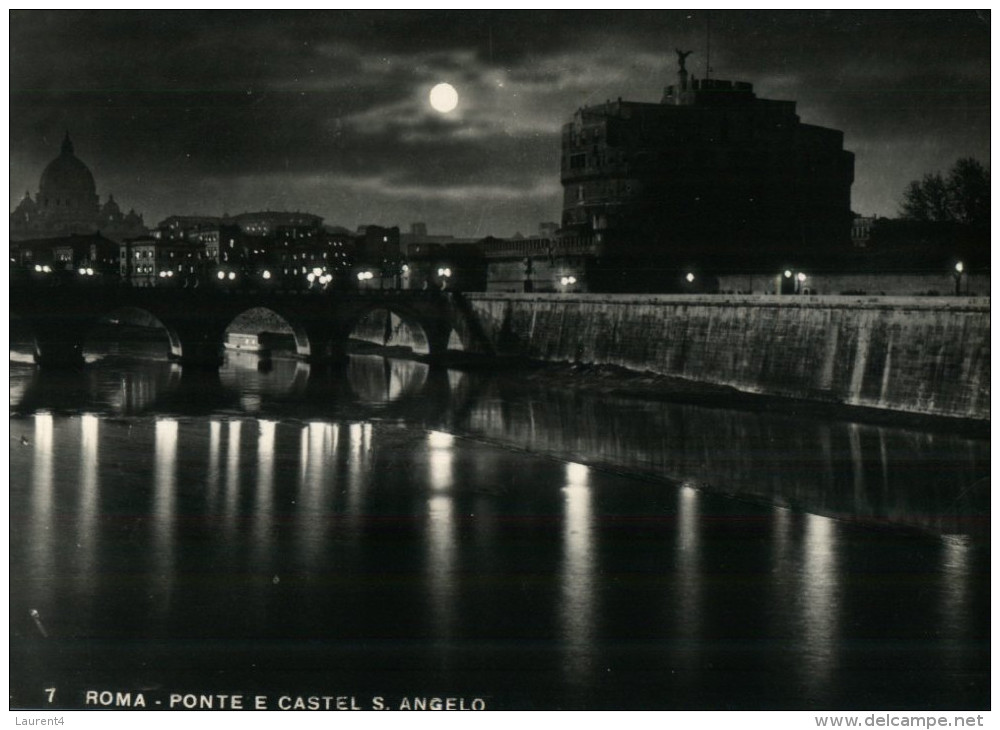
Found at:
[164, 103]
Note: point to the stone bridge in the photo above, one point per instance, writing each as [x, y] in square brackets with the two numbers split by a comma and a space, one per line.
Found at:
[59, 318]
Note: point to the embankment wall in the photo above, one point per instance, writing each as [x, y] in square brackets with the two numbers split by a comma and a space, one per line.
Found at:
[927, 356]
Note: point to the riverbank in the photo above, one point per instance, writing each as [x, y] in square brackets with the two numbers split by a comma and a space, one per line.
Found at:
[622, 382]
[926, 356]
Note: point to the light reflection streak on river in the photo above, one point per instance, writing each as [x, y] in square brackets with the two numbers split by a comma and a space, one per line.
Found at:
[87, 533]
[164, 517]
[820, 604]
[578, 576]
[441, 542]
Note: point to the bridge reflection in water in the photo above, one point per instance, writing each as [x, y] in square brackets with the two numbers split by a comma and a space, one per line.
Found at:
[537, 547]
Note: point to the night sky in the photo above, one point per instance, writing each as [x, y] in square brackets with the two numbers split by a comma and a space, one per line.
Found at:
[179, 112]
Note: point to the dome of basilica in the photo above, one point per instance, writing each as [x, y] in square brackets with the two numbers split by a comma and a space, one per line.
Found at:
[68, 185]
[67, 204]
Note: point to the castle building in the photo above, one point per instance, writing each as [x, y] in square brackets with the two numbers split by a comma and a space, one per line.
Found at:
[712, 176]
[66, 203]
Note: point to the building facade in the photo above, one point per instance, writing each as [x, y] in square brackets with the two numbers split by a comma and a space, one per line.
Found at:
[710, 177]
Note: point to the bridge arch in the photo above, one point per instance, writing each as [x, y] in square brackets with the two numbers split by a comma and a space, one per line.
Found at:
[391, 325]
[130, 321]
[272, 320]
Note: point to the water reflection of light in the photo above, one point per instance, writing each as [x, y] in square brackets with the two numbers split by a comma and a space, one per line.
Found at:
[440, 440]
[40, 532]
[819, 602]
[212, 476]
[322, 444]
[689, 579]
[456, 381]
[441, 560]
[955, 588]
[20, 379]
[263, 514]
[44, 428]
[164, 488]
[232, 489]
[87, 525]
[250, 402]
[354, 436]
[440, 458]
[265, 461]
[318, 440]
[577, 575]
[377, 379]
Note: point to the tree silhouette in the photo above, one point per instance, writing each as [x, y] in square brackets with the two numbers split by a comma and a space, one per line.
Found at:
[963, 197]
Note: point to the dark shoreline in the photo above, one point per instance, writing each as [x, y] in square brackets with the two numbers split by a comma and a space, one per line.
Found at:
[622, 382]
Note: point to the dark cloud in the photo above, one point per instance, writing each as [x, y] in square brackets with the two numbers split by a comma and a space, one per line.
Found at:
[182, 111]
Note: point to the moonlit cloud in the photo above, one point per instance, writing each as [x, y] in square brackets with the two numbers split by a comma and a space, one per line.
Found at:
[211, 112]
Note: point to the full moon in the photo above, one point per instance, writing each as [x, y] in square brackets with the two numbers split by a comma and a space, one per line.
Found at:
[444, 98]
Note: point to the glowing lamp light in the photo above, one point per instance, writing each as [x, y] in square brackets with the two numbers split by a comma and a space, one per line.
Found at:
[310, 277]
[82, 272]
[689, 277]
[266, 274]
[232, 275]
[800, 276]
[317, 271]
[221, 275]
[90, 272]
[788, 274]
[959, 267]
[38, 267]
[567, 280]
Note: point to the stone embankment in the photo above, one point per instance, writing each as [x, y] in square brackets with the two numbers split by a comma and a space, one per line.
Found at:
[925, 356]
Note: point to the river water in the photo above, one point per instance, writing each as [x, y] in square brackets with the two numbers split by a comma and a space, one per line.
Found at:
[388, 532]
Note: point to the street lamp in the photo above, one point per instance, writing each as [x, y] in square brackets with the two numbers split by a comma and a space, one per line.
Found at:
[959, 268]
[690, 278]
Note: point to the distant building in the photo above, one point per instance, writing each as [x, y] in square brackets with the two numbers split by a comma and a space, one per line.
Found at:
[538, 263]
[861, 230]
[455, 266]
[90, 256]
[150, 261]
[548, 229]
[66, 203]
[710, 176]
[268, 222]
